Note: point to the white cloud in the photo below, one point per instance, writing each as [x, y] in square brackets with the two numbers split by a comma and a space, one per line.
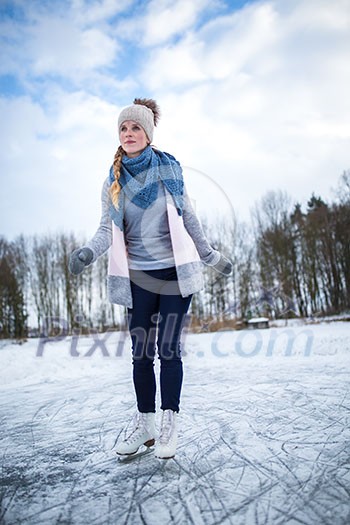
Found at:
[320, 15]
[224, 47]
[164, 19]
[87, 12]
[63, 41]
[264, 101]
[174, 66]
[54, 164]
[256, 100]
[60, 47]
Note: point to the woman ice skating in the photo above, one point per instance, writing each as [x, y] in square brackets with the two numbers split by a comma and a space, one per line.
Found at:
[157, 247]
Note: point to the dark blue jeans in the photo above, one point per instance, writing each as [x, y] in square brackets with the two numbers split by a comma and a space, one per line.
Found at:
[156, 319]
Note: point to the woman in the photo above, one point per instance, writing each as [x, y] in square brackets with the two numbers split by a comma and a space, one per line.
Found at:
[155, 266]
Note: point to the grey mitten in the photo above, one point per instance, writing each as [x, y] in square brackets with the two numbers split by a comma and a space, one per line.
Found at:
[224, 265]
[79, 259]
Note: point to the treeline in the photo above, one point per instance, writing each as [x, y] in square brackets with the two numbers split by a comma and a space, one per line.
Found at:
[34, 278]
[287, 262]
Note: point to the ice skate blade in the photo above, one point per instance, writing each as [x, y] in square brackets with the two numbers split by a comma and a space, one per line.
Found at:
[125, 458]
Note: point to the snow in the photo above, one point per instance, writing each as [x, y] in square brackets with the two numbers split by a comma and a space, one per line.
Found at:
[264, 431]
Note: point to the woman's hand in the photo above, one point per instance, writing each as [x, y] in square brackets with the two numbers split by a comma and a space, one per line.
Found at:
[79, 259]
[224, 265]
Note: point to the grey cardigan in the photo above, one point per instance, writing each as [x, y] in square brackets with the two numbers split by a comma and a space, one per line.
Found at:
[189, 273]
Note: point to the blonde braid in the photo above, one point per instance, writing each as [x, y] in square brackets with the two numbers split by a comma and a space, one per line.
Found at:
[115, 187]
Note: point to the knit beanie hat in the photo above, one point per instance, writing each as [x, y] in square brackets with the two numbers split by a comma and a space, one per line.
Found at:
[145, 112]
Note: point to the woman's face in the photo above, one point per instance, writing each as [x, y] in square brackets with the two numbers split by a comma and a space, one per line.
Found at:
[133, 138]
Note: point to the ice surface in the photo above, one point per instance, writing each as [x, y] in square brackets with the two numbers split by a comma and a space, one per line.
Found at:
[264, 432]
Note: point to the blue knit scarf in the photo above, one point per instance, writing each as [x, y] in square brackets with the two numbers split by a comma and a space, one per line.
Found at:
[139, 178]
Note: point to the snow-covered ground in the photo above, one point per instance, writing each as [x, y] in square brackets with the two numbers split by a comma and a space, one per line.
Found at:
[264, 432]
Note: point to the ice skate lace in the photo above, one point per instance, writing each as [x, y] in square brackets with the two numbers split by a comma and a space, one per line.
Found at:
[167, 428]
[135, 425]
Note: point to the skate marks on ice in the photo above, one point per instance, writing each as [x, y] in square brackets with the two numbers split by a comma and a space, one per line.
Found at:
[283, 440]
[55, 441]
[256, 446]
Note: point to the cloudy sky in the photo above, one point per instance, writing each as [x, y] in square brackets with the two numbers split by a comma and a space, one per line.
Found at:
[254, 97]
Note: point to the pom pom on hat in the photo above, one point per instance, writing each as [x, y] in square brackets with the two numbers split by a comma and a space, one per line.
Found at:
[144, 111]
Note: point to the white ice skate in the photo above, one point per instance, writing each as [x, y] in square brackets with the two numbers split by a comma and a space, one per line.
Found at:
[141, 431]
[166, 444]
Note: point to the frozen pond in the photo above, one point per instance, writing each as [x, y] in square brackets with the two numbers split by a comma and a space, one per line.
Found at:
[264, 432]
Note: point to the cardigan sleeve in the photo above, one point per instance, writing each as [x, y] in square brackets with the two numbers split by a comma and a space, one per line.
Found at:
[102, 239]
[207, 254]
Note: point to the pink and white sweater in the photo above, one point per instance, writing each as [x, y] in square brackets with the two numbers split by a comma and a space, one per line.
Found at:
[189, 244]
